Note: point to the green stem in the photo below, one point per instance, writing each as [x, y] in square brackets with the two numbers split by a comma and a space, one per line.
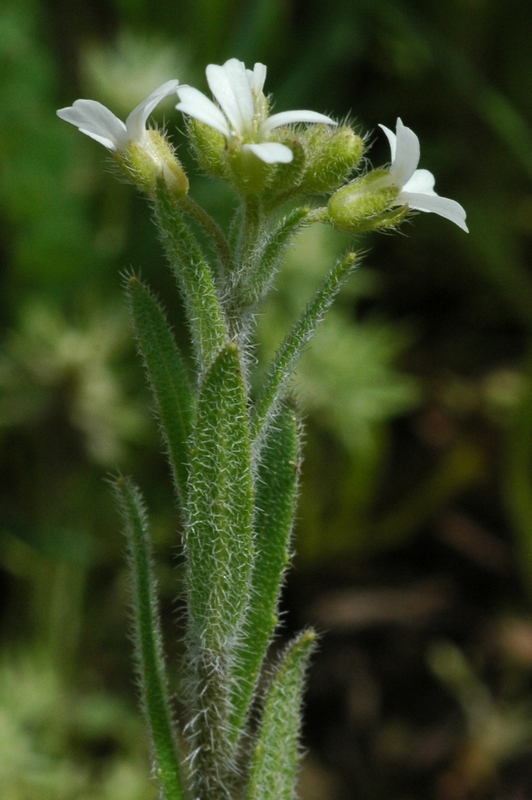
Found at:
[212, 228]
[267, 255]
[211, 765]
[250, 233]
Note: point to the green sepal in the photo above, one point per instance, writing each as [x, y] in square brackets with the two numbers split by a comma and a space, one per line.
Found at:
[300, 333]
[385, 221]
[209, 147]
[276, 495]
[273, 768]
[247, 173]
[218, 533]
[147, 162]
[194, 277]
[363, 204]
[167, 376]
[148, 640]
[284, 182]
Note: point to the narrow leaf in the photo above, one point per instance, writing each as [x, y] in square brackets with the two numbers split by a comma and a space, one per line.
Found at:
[195, 279]
[292, 347]
[276, 493]
[167, 376]
[220, 503]
[148, 642]
[274, 762]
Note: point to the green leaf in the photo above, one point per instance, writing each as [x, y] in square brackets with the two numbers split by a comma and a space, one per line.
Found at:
[218, 535]
[195, 279]
[167, 376]
[276, 752]
[301, 332]
[276, 496]
[148, 641]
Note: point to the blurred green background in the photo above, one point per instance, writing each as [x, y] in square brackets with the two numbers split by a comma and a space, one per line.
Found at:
[414, 536]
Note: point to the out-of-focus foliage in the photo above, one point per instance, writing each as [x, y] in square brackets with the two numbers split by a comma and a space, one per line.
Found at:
[43, 728]
[415, 529]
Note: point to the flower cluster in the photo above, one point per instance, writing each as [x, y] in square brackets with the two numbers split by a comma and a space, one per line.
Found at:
[245, 135]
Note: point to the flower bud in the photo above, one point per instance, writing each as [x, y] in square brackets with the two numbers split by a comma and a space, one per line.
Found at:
[332, 156]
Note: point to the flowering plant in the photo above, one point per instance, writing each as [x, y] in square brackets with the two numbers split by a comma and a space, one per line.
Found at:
[233, 452]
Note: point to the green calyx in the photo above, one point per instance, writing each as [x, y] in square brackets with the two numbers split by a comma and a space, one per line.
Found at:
[248, 174]
[365, 204]
[145, 163]
[209, 147]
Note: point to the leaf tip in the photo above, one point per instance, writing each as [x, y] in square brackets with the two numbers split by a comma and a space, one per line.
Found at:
[308, 637]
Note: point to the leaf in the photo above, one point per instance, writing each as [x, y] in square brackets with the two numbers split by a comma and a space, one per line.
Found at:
[148, 641]
[218, 533]
[301, 332]
[273, 768]
[276, 495]
[204, 312]
[167, 376]
[267, 255]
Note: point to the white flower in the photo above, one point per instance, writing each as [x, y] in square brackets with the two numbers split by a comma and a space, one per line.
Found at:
[417, 185]
[99, 123]
[242, 111]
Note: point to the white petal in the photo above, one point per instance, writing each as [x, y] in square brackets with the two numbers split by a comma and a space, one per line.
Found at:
[421, 182]
[257, 78]
[392, 139]
[435, 204]
[136, 121]
[197, 105]
[289, 117]
[230, 86]
[271, 152]
[96, 121]
[406, 156]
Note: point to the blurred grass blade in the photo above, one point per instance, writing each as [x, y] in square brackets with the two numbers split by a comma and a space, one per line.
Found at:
[275, 756]
[517, 476]
[301, 332]
[274, 512]
[148, 641]
[167, 376]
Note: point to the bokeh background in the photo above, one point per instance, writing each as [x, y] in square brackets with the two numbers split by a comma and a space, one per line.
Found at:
[414, 536]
